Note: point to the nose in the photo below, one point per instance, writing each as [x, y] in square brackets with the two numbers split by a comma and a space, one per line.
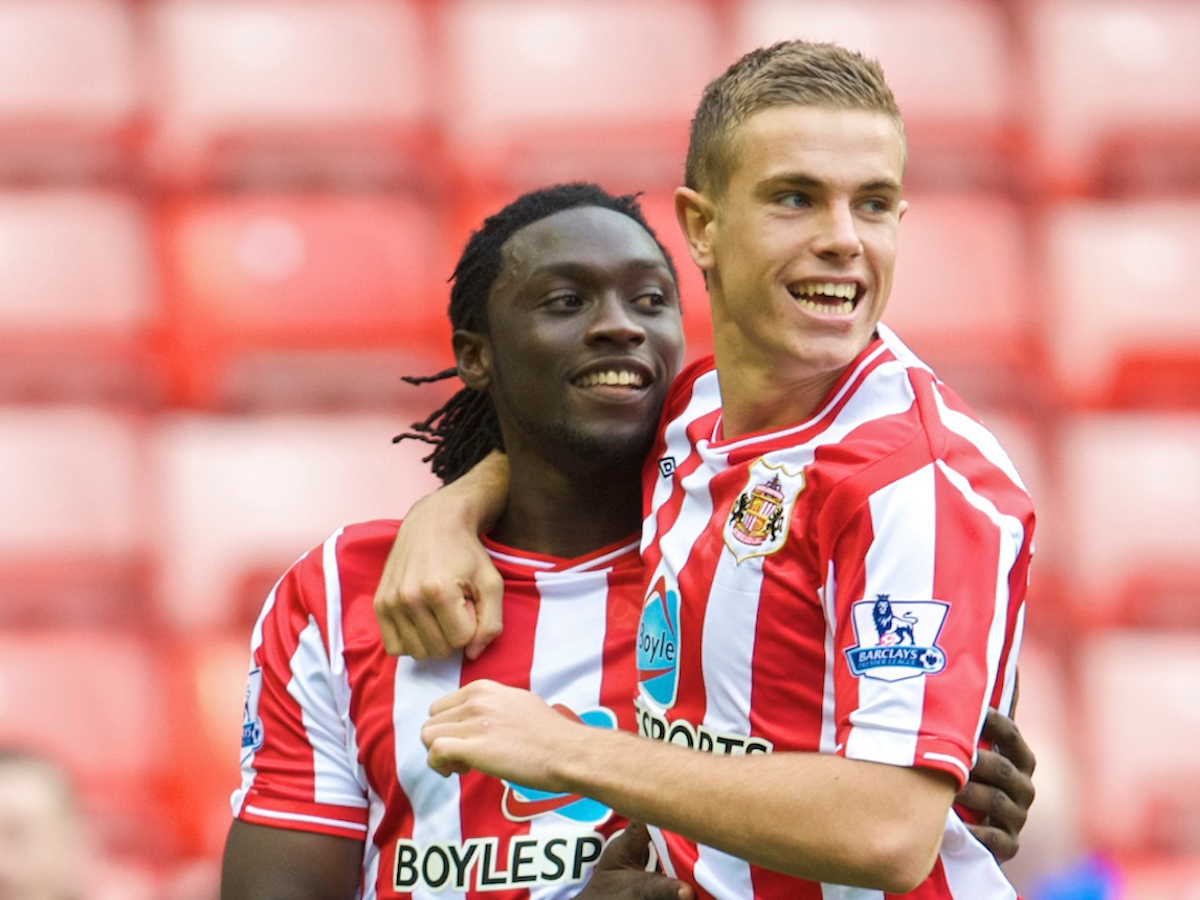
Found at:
[616, 322]
[839, 233]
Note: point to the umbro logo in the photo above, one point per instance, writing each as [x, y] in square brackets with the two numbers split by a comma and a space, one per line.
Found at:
[666, 466]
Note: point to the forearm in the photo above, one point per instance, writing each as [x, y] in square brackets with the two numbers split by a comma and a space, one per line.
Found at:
[815, 816]
[477, 499]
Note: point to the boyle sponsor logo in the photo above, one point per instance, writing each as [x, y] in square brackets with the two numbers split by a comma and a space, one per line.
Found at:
[658, 646]
[478, 864]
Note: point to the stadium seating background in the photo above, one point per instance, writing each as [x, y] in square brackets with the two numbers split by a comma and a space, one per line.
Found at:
[225, 231]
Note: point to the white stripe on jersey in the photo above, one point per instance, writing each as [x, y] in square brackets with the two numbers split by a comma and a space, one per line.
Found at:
[701, 403]
[435, 801]
[573, 612]
[303, 817]
[899, 562]
[845, 892]
[970, 870]
[1010, 671]
[312, 686]
[827, 594]
[982, 439]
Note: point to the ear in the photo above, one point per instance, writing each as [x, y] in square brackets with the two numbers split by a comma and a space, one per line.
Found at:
[473, 355]
[695, 213]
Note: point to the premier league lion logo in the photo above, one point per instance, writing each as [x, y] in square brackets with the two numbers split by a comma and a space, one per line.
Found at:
[892, 629]
[896, 639]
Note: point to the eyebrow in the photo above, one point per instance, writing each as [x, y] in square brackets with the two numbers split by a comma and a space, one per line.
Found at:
[571, 268]
[800, 180]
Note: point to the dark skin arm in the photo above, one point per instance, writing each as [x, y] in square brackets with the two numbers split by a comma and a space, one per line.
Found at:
[1001, 787]
[263, 863]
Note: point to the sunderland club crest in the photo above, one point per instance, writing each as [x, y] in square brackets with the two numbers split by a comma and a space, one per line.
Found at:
[758, 521]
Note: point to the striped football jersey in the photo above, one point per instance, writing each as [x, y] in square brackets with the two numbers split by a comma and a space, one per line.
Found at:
[853, 584]
[331, 730]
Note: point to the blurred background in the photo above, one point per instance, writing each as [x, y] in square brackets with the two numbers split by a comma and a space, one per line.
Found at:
[225, 232]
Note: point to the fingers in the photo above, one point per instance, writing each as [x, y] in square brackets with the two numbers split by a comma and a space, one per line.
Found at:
[1003, 733]
[425, 622]
[1001, 844]
[628, 850]
[488, 609]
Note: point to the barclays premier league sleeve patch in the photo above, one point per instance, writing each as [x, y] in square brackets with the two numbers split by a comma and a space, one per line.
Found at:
[252, 728]
[895, 640]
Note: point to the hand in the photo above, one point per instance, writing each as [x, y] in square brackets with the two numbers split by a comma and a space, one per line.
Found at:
[439, 591]
[1001, 787]
[620, 873]
[503, 731]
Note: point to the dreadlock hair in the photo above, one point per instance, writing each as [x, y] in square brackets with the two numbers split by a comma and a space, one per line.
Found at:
[465, 429]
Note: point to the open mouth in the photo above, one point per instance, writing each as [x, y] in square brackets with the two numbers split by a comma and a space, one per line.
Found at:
[836, 298]
[611, 378]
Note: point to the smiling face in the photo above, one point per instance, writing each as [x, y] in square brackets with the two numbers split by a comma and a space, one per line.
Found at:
[584, 338]
[799, 249]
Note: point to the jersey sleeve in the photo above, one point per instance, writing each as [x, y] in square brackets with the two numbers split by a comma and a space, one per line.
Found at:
[297, 758]
[925, 602]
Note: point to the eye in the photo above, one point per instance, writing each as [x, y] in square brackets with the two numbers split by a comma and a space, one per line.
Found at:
[563, 302]
[794, 200]
[652, 299]
[877, 205]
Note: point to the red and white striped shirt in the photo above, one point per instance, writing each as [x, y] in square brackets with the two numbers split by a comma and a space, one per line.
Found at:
[854, 584]
[331, 734]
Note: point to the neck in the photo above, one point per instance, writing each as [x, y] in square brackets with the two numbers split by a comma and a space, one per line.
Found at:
[557, 512]
[754, 399]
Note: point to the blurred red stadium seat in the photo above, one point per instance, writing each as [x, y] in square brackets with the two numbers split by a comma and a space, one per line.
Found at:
[1130, 489]
[73, 547]
[255, 91]
[951, 64]
[239, 499]
[78, 301]
[302, 300]
[1125, 323]
[539, 91]
[962, 297]
[1117, 93]
[69, 95]
[1142, 726]
[93, 700]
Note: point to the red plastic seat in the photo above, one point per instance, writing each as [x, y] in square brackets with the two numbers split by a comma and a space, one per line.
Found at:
[1130, 488]
[1140, 731]
[69, 94]
[73, 546]
[94, 700]
[258, 90]
[1125, 323]
[962, 295]
[241, 498]
[950, 63]
[540, 91]
[79, 331]
[1116, 92]
[281, 299]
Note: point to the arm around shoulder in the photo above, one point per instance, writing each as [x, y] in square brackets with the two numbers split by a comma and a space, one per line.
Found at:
[439, 590]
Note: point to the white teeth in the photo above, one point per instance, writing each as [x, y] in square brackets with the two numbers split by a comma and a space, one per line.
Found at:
[623, 378]
[844, 308]
[844, 290]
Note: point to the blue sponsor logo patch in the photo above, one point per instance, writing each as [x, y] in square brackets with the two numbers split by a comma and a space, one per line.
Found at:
[658, 646]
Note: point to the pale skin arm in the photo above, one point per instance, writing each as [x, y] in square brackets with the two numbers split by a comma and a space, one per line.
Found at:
[814, 816]
[439, 592]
